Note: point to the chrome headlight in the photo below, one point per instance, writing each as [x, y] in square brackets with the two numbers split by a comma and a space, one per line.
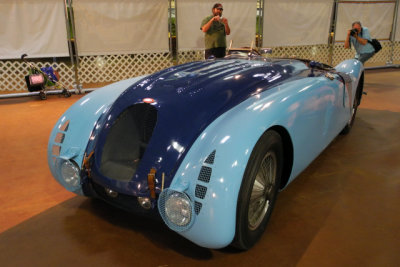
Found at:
[176, 209]
[69, 172]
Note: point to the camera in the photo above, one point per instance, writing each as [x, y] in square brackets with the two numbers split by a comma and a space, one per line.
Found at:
[353, 32]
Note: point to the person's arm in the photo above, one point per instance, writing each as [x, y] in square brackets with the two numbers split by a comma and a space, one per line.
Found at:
[347, 41]
[227, 29]
[207, 26]
[361, 40]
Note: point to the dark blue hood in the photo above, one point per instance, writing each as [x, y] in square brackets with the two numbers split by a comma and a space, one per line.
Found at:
[187, 99]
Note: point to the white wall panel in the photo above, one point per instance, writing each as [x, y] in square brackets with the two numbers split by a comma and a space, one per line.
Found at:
[121, 26]
[377, 17]
[34, 27]
[294, 22]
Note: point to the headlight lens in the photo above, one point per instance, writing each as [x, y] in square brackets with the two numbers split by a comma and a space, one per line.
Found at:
[178, 209]
[70, 173]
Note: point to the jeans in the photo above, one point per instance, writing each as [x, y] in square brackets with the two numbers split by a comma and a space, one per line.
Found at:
[364, 57]
[217, 52]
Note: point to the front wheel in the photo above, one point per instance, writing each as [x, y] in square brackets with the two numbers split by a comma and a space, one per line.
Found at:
[259, 189]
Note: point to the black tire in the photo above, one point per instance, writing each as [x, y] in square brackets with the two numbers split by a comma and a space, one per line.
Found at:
[42, 95]
[256, 201]
[66, 93]
[356, 103]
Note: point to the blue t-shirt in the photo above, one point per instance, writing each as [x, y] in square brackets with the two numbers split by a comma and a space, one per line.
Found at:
[362, 49]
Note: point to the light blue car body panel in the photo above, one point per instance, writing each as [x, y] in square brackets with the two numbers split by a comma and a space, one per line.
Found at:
[311, 110]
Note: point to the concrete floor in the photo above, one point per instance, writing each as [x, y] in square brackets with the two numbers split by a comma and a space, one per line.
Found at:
[343, 210]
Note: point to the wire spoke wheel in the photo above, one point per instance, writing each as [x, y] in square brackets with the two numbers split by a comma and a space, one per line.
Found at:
[259, 188]
[261, 193]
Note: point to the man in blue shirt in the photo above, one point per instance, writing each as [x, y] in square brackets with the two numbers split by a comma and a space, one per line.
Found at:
[359, 36]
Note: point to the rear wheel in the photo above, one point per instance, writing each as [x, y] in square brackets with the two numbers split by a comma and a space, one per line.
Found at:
[354, 108]
[348, 126]
[259, 189]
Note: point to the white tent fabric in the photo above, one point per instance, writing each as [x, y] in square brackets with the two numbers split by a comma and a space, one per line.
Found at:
[241, 15]
[377, 17]
[35, 27]
[293, 22]
[121, 26]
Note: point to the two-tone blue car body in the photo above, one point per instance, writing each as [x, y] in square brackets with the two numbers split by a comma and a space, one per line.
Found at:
[205, 145]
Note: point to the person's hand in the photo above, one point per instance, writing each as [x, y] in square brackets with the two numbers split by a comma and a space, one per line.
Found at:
[216, 18]
[354, 35]
[224, 21]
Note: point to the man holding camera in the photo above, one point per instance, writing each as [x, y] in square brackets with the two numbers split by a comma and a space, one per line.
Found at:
[359, 36]
[215, 28]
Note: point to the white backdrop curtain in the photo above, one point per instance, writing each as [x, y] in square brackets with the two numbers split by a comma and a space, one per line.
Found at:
[294, 22]
[241, 15]
[121, 26]
[34, 27]
[377, 17]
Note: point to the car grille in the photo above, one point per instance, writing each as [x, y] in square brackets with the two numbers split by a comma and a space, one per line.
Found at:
[127, 141]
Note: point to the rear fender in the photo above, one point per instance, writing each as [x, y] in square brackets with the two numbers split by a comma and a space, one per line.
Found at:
[351, 71]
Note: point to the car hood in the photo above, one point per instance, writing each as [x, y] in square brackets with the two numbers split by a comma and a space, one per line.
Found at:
[187, 99]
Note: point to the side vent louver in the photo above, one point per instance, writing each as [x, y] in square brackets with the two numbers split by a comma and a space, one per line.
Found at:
[203, 180]
[197, 207]
[205, 174]
[200, 191]
[59, 140]
[210, 158]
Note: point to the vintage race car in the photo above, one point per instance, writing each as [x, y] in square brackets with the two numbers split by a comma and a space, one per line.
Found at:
[205, 145]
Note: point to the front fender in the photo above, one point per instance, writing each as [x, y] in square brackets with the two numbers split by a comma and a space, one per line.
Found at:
[211, 173]
[72, 131]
